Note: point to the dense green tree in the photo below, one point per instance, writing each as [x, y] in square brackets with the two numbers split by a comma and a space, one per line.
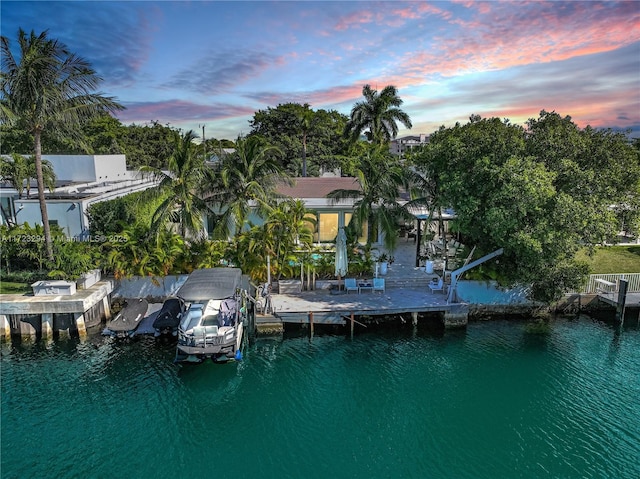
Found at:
[597, 168]
[47, 88]
[523, 191]
[247, 178]
[183, 186]
[107, 136]
[378, 114]
[113, 216]
[377, 203]
[14, 140]
[149, 145]
[309, 140]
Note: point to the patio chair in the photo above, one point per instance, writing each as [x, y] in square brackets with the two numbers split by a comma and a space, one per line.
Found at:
[437, 285]
[378, 284]
[350, 285]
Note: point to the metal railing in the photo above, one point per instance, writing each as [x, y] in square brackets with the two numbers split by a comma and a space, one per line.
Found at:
[608, 283]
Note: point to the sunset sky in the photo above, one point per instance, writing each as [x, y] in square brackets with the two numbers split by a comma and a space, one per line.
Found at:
[194, 63]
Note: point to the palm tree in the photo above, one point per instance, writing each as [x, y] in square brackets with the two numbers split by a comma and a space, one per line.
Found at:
[14, 170]
[290, 227]
[379, 113]
[19, 171]
[48, 175]
[376, 204]
[186, 178]
[248, 179]
[48, 89]
[304, 120]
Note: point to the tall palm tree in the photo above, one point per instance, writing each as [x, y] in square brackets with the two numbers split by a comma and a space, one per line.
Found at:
[379, 113]
[48, 175]
[187, 177]
[248, 179]
[48, 89]
[377, 203]
[304, 119]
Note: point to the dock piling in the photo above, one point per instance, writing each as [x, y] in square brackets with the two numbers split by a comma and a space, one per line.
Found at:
[622, 298]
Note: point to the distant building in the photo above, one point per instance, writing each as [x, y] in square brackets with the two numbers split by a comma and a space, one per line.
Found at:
[399, 146]
[81, 180]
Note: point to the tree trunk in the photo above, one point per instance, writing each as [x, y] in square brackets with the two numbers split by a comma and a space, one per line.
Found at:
[41, 199]
[304, 155]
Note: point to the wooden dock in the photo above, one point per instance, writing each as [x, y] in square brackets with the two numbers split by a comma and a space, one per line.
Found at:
[633, 299]
[326, 307]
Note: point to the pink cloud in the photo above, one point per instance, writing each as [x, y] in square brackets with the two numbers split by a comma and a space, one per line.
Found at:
[381, 14]
[510, 39]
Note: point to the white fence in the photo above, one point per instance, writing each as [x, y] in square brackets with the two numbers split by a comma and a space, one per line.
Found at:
[608, 283]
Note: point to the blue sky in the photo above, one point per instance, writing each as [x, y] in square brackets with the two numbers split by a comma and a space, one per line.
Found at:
[194, 63]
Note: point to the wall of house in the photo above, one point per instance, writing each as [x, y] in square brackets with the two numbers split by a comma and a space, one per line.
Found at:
[67, 213]
[88, 168]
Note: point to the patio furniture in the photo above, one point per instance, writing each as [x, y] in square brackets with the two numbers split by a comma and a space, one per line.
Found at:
[365, 285]
[437, 285]
[378, 284]
[350, 285]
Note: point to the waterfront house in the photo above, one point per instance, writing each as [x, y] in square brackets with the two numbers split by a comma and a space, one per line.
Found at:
[81, 180]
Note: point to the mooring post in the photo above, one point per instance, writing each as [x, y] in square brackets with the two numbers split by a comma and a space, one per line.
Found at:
[311, 324]
[81, 326]
[414, 318]
[622, 298]
[5, 329]
[107, 307]
[47, 326]
[352, 323]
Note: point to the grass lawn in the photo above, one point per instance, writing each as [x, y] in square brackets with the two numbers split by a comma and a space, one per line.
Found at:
[14, 288]
[613, 259]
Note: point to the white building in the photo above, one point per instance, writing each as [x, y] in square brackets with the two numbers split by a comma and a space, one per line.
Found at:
[81, 180]
[399, 146]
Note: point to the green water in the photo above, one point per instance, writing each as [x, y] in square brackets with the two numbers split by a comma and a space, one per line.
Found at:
[489, 402]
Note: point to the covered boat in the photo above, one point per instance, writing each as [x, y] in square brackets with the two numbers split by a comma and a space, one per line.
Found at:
[125, 323]
[169, 317]
[213, 323]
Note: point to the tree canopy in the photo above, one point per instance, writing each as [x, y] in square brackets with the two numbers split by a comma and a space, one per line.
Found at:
[539, 193]
[310, 140]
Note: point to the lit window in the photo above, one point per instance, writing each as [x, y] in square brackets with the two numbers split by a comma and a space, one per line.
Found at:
[327, 227]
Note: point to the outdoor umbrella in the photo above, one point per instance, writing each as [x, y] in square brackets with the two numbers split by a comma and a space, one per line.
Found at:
[342, 262]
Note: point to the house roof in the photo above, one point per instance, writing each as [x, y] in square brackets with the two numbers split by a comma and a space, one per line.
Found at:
[318, 187]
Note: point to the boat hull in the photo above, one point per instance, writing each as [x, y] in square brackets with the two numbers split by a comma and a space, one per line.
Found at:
[223, 351]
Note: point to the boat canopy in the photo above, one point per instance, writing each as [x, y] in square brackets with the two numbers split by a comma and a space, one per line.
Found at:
[211, 283]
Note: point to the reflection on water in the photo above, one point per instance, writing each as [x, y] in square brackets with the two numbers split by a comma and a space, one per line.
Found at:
[493, 400]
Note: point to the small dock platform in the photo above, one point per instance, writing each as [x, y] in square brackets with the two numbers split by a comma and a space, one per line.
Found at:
[633, 299]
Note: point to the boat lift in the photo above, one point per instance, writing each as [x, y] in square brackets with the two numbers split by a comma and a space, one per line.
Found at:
[455, 275]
